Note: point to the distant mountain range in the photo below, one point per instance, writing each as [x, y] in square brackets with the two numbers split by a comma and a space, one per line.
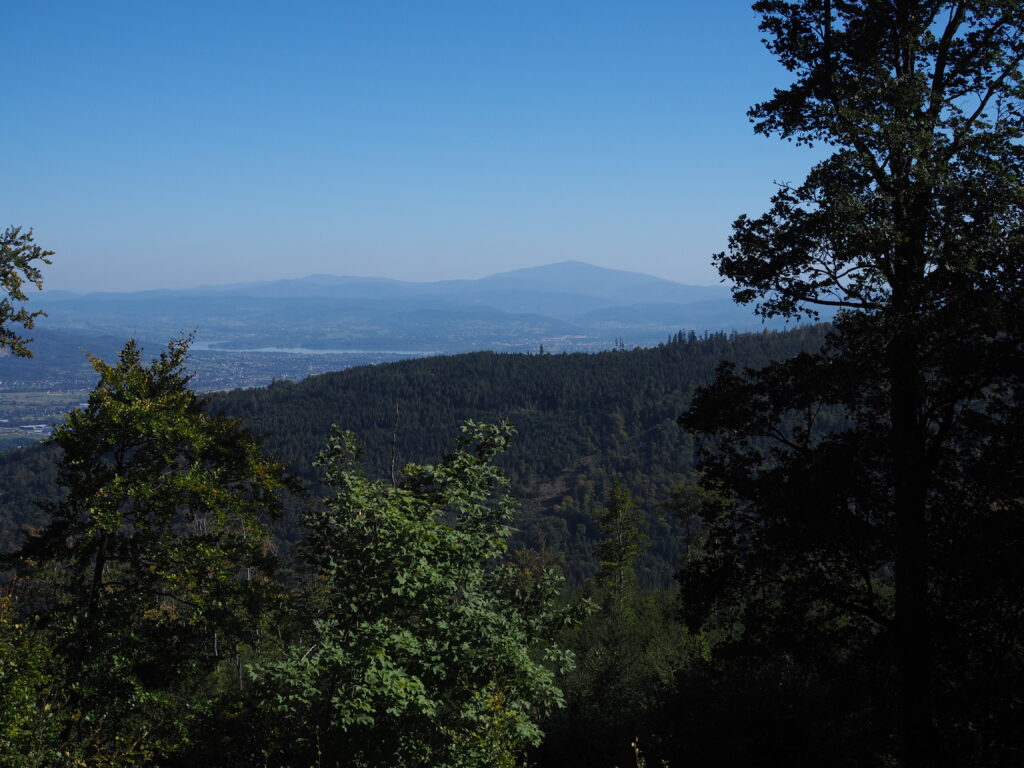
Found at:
[569, 306]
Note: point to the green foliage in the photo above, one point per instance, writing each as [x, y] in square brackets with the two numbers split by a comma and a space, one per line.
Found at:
[629, 651]
[28, 716]
[17, 254]
[623, 538]
[422, 649]
[157, 548]
[629, 654]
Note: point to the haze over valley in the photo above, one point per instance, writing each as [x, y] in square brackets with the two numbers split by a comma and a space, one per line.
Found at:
[251, 334]
[568, 306]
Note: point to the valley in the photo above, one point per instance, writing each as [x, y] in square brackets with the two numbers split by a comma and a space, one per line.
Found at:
[253, 334]
[569, 306]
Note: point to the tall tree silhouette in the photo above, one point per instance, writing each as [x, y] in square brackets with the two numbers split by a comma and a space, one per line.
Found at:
[912, 228]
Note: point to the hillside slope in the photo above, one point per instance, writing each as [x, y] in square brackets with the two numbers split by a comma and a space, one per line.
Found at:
[581, 419]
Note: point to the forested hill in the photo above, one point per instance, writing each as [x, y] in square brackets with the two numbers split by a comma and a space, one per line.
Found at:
[581, 420]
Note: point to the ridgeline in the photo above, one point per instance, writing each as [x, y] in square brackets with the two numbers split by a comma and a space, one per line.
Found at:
[581, 420]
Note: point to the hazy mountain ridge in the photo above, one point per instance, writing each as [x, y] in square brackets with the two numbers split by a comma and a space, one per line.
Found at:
[570, 305]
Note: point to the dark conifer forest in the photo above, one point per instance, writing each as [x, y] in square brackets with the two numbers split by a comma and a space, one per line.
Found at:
[582, 421]
[797, 548]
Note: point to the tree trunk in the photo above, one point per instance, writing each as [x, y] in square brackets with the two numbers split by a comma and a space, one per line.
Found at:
[910, 482]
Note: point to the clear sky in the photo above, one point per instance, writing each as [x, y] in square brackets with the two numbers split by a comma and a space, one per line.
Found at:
[171, 144]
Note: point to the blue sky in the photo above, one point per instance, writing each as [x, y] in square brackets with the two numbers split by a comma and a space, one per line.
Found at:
[158, 144]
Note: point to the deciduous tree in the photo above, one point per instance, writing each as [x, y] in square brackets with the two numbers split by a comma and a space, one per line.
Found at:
[153, 562]
[423, 649]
